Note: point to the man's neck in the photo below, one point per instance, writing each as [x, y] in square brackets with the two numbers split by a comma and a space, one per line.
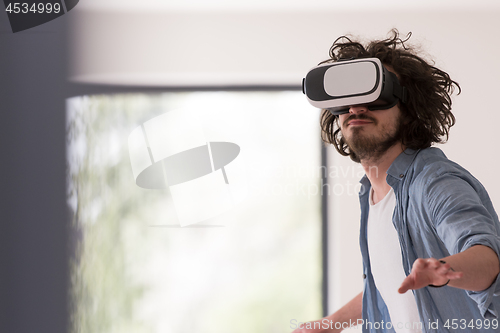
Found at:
[376, 171]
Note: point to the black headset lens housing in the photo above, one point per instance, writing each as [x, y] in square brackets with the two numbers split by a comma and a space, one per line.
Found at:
[340, 85]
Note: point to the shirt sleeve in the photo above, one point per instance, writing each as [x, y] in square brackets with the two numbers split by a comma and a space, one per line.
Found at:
[463, 216]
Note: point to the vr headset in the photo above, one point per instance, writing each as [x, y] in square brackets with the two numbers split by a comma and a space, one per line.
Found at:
[337, 86]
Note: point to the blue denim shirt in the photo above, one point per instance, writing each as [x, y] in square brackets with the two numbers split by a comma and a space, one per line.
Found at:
[441, 210]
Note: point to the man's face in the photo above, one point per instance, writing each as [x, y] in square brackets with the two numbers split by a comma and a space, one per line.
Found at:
[369, 134]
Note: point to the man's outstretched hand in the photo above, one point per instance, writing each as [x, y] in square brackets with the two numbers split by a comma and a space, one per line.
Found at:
[428, 271]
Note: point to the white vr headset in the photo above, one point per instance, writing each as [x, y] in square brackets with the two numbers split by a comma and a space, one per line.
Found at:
[340, 85]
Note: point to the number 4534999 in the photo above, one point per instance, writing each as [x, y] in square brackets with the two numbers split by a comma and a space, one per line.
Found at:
[39, 8]
[472, 324]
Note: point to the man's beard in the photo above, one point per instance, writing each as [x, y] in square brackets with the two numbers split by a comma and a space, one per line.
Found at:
[372, 147]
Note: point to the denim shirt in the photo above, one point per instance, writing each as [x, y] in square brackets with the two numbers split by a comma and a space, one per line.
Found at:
[441, 210]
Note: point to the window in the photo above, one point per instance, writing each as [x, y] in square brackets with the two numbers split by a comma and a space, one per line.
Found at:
[254, 268]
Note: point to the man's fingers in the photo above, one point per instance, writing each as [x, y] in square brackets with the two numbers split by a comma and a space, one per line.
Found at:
[451, 275]
[420, 264]
[433, 263]
[444, 269]
[406, 285]
[428, 271]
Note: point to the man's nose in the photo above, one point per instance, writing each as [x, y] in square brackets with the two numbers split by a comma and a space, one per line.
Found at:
[355, 109]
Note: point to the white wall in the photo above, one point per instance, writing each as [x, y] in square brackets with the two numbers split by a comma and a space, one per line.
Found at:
[184, 47]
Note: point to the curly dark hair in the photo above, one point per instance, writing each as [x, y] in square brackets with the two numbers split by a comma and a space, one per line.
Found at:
[426, 116]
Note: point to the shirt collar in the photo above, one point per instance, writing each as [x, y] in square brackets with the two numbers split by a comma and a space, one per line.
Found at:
[401, 164]
[397, 170]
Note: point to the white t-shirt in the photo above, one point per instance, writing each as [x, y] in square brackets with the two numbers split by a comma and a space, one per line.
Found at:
[386, 266]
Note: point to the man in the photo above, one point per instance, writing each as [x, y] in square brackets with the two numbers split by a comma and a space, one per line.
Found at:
[429, 233]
